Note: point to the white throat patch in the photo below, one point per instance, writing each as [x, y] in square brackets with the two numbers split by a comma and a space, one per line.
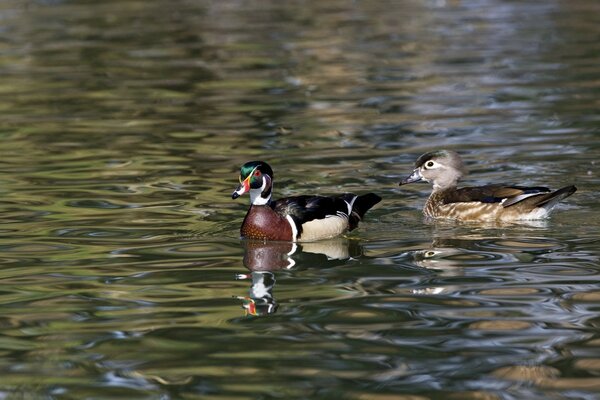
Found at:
[255, 195]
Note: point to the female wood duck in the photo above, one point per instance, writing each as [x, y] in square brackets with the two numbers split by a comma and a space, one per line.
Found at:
[444, 168]
[299, 218]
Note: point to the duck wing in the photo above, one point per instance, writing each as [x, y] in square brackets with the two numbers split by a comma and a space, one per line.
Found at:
[307, 208]
[506, 195]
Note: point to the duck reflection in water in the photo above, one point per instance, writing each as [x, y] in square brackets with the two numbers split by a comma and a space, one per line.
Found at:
[465, 256]
[264, 258]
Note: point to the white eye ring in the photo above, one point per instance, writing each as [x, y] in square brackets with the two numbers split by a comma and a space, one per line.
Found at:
[429, 164]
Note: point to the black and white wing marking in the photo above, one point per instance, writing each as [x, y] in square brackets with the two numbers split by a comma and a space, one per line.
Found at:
[316, 217]
[505, 195]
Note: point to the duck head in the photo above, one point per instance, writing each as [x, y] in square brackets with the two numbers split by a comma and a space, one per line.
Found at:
[256, 177]
[443, 168]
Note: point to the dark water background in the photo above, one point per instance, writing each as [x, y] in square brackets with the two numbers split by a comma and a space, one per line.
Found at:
[123, 126]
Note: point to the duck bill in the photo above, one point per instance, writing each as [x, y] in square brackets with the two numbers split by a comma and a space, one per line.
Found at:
[241, 189]
[414, 177]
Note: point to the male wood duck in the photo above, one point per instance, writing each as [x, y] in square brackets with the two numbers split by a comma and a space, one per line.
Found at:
[298, 218]
[444, 168]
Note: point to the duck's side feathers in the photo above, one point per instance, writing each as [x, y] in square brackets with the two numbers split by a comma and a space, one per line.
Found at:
[328, 227]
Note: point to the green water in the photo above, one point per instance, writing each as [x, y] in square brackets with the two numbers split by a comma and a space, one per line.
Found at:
[123, 127]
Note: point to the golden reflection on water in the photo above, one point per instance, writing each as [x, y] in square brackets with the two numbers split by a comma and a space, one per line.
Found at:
[546, 378]
[501, 325]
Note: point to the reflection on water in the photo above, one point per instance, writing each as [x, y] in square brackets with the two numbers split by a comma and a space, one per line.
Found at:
[264, 258]
[261, 258]
[124, 122]
[260, 300]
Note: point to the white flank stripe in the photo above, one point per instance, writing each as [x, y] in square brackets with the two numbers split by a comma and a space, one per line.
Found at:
[294, 228]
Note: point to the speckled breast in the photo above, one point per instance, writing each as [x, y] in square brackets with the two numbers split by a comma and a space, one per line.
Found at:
[263, 223]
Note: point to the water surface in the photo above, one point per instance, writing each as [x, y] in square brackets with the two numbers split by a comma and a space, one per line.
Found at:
[125, 124]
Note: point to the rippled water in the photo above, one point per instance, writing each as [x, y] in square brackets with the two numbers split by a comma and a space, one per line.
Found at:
[124, 124]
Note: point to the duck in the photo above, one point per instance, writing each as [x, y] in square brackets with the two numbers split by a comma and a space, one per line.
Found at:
[499, 203]
[297, 218]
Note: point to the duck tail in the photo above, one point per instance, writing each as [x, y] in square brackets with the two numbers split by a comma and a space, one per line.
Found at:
[360, 205]
[550, 200]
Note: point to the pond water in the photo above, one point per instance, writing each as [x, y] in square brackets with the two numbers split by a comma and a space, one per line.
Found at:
[124, 124]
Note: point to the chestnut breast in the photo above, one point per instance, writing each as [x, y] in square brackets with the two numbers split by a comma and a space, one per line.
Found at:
[263, 223]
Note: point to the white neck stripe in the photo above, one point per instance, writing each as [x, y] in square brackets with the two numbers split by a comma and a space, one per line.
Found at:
[256, 195]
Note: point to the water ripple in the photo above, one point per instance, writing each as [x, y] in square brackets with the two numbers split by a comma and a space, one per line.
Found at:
[122, 271]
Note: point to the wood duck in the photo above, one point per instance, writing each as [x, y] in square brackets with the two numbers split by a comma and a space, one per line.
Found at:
[298, 218]
[444, 168]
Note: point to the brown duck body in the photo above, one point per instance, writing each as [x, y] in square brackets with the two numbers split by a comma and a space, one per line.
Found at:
[493, 203]
[262, 222]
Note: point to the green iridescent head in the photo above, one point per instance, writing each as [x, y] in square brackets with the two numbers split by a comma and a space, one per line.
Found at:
[256, 177]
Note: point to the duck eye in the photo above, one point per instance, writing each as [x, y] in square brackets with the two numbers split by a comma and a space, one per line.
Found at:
[256, 173]
[429, 164]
